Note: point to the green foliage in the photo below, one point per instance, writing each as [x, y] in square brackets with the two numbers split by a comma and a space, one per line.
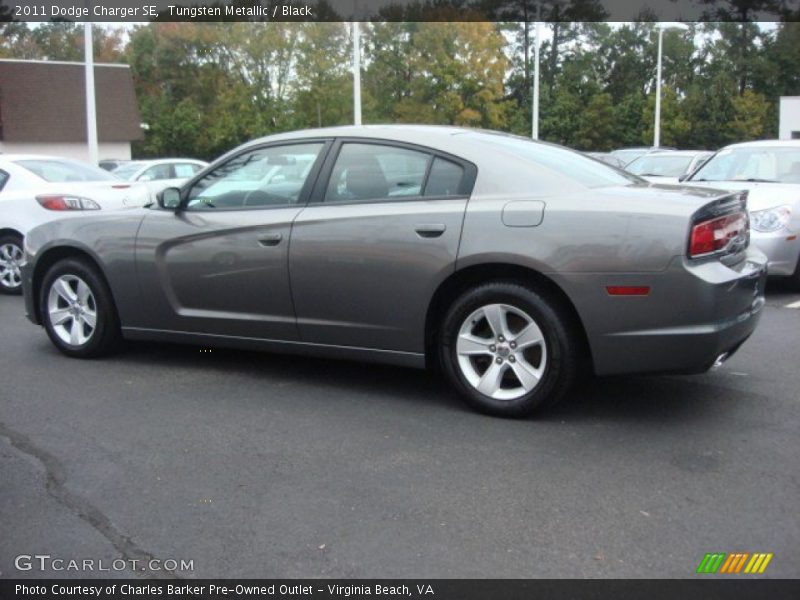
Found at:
[204, 88]
[675, 127]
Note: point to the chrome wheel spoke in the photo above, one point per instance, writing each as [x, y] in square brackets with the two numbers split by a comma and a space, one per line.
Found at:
[75, 333]
[490, 382]
[62, 288]
[530, 336]
[470, 345]
[528, 376]
[90, 318]
[83, 293]
[59, 316]
[496, 317]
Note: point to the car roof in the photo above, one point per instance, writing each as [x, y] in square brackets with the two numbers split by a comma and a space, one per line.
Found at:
[373, 131]
[675, 153]
[158, 161]
[14, 157]
[464, 142]
[766, 143]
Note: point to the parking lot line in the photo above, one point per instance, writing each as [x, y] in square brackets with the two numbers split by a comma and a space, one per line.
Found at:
[793, 304]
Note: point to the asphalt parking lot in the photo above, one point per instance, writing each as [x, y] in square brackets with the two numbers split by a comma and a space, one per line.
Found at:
[255, 465]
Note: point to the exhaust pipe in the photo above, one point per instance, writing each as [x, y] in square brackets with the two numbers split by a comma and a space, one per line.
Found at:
[721, 359]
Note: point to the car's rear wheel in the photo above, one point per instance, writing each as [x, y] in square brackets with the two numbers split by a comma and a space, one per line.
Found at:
[78, 310]
[508, 349]
[11, 261]
[794, 279]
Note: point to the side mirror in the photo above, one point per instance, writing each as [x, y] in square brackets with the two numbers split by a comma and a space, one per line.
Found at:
[169, 198]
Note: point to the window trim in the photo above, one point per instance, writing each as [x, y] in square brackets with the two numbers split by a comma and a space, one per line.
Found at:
[465, 189]
[305, 191]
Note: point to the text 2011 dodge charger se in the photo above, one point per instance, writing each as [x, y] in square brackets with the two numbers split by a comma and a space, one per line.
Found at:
[513, 265]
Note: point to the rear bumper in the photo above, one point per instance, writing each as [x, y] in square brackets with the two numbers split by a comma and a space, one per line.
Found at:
[689, 349]
[782, 252]
[693, 314]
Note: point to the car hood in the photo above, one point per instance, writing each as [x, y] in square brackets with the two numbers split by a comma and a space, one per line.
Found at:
[760, 195]
[109, 195]
[660, 179]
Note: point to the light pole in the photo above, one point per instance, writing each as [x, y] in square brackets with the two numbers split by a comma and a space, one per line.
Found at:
[356, 73]
[91, 109]
[535, 112]
[657, 128]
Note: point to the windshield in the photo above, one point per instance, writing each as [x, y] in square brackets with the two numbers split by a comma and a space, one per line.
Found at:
[626, 156]
[64, 171]
[128, 170]
[779, 164]
[569, 163]
[660, 165]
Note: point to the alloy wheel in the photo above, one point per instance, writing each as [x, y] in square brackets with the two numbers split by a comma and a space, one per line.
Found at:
[11, 261]
[501, 351]
[72, 310]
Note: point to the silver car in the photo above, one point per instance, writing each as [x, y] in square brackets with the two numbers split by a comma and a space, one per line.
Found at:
[769, 170]
[672, 166]
[514, 266]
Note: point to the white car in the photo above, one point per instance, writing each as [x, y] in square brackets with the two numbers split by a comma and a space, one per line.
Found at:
[770, 171]
[35, 189]
[161, 173]
[667, 166]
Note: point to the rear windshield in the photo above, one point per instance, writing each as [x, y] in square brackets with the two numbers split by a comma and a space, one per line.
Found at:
[569, 163]
[128, 170]
[64, 171]
[779, 164]
[665, 165]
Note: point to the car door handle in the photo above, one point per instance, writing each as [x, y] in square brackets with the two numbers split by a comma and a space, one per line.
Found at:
[430, 230]
[271, 240]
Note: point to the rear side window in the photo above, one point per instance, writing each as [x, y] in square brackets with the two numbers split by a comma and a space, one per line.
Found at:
[185, 169]
[567, 163]
[157, 173]
[444, 179]
[3, 179]
[376, 172]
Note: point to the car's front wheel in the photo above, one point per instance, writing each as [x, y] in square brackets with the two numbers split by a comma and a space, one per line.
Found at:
[11, 261]
[78, 310]
[507, 349]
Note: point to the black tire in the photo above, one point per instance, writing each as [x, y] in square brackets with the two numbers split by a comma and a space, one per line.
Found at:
[105, 335]
[10, 282]
[794, 279]
[561, 348]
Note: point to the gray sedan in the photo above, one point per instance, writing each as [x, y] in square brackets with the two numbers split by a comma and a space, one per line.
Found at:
[511, 265]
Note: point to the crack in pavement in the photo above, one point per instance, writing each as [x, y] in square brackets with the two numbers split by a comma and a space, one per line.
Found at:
[55, 484]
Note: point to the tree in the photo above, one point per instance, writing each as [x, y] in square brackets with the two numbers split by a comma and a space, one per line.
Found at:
[323, 76]
[458, 70]
[59, 40]
[750, 112]
[675, 127]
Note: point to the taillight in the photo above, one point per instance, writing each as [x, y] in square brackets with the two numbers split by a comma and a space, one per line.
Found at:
[717, 234]
[62, 202]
